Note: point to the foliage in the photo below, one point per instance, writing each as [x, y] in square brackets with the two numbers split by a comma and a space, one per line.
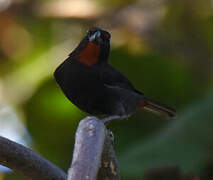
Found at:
[164, 48]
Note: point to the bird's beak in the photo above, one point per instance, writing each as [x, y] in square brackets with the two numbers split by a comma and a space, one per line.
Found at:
[95, 36]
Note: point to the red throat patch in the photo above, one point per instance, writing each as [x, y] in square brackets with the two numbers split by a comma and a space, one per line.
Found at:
[89, 55]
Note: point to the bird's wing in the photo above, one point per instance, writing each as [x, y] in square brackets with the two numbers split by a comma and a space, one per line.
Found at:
[113, 78]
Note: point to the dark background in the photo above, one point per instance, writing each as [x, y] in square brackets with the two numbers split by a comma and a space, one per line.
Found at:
[164, 47]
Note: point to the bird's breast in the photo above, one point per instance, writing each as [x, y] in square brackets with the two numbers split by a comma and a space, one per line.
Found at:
[89, 55]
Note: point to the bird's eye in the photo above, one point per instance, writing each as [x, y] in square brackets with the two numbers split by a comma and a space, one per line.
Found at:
[107, 36]
[92, 30]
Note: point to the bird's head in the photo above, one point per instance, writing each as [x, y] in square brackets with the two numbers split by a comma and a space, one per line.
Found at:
[94, 48]
[98, 36]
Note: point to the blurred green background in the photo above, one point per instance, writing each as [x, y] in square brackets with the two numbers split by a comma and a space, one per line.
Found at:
[164, 47]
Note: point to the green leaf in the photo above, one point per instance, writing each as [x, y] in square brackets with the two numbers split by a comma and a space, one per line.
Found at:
[185, 142]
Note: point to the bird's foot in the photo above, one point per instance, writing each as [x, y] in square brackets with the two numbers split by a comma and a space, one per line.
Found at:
[126, 117]
[110, 118]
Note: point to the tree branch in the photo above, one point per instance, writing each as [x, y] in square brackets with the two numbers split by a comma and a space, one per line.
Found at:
[93, 157]
[109, 165]
[27, 162]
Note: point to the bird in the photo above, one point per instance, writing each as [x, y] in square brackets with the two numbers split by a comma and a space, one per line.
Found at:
[94, 86]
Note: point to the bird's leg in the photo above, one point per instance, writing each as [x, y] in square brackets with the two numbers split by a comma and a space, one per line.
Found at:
[110, 118]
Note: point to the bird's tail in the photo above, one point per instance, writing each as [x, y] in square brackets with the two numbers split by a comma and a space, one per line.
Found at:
[156, 107]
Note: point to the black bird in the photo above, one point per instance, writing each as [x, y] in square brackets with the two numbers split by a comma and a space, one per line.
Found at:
[93, 85]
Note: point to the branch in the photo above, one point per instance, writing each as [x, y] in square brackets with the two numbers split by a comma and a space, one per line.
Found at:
[93, 157]
[109, 165]
[27, 162]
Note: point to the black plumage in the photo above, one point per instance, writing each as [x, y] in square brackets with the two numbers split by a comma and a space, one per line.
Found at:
[92, 84]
